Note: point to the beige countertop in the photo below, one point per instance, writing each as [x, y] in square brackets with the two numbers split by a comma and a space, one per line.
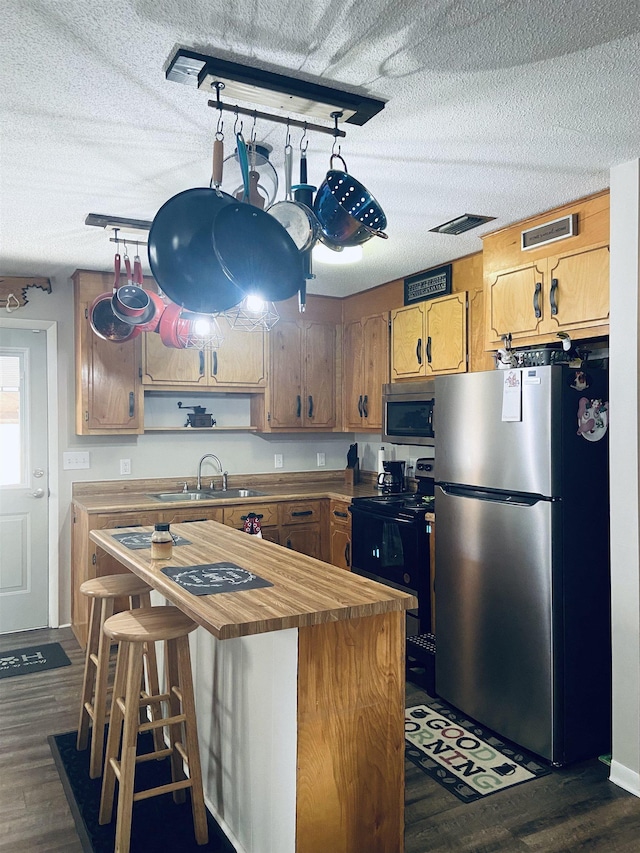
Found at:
[105, 498]
[305, 591]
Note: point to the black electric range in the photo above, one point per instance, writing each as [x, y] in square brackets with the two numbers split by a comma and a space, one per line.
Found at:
[401, 504]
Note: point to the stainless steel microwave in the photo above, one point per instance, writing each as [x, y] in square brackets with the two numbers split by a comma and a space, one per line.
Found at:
[407, 412]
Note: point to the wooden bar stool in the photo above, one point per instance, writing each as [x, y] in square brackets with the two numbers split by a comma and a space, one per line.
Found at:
[93, 706]
[133, 629]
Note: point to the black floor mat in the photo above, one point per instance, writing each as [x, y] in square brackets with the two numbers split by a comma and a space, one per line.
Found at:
[159, 825]
[32, 659]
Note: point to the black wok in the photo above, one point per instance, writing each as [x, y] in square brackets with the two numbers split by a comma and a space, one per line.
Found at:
[181, 253]
[254, 249]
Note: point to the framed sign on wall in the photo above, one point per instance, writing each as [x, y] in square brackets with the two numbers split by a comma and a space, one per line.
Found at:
[427, 285]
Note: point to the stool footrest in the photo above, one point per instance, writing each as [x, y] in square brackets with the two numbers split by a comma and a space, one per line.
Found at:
[152, 756]
[162, 789]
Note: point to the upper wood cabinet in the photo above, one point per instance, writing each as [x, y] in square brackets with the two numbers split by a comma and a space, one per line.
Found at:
[429, 337]
[108, 391]
[560, 287]
[365, 347]
[302, 382]
[239, 362]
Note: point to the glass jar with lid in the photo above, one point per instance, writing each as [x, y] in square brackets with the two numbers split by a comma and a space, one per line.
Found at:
[161, 542]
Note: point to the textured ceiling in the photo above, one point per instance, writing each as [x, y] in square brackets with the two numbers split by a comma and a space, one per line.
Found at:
[496, 107]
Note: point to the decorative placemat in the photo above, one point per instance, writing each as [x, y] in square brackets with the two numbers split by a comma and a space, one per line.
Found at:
[464, 757]
[135, 541]
[32, 659]
[211, 578]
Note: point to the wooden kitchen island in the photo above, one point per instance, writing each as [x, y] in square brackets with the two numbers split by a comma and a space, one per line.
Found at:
[299, 694]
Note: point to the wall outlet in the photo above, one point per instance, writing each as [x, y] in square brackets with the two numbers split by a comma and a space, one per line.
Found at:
[412, 462]
[278, 460]
[125, 466]
[72, 459]
[321, 460]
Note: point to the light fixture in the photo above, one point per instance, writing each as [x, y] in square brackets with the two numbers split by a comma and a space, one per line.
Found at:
[272, 90]
[198, 331]
[347, 255]
[253, 314]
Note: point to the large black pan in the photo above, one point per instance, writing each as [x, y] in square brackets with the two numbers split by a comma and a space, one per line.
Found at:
[253, 248]
[181, 253]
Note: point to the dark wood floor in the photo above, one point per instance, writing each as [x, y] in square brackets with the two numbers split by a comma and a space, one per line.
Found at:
[574, 809]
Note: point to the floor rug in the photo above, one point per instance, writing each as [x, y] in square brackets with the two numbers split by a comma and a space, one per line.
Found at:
[465, 758]
[32, 659]
[159, 825]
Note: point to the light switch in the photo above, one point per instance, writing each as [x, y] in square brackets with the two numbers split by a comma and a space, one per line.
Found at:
[72, 459]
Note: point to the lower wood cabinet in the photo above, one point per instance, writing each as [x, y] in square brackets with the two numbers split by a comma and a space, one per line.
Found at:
[340, 534]
[299, 525]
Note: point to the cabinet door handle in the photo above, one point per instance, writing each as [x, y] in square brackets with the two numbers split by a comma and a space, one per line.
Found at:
[360, 405]
[365, 403]
[298, 406]
[419, 351]
[347, 554]
[552, 296]
[339, 514]
[310, 415]
[288, 543]
[201, 354]
[536, 300]
[301, 512]
[215, 363]
[429, 349]
[132, 404]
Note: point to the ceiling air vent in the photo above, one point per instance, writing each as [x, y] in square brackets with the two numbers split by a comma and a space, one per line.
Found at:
[462, 223]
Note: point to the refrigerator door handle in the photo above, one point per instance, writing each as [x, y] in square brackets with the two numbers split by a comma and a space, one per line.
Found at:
[492, 495]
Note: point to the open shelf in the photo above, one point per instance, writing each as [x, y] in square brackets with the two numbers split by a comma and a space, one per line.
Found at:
[201, 429]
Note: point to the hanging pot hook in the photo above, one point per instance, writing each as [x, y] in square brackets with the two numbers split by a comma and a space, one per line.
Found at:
[287, 143]
[237, 130]
[335, 116]
[219, 86]
[304, 142]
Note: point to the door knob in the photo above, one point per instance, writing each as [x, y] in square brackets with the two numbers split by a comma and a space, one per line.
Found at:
[39, 493]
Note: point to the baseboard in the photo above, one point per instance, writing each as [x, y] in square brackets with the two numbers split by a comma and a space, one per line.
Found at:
[625, 778]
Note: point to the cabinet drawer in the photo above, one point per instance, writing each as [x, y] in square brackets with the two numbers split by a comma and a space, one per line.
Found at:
[339, 513]
[204, 513]
[126, 519]
[234, 516]
[301, 512]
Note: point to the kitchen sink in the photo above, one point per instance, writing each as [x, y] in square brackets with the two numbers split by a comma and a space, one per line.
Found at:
[206, 495]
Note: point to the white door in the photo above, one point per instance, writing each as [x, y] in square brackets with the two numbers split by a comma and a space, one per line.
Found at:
[24, 487]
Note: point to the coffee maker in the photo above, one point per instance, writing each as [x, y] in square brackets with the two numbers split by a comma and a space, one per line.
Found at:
[392, 478]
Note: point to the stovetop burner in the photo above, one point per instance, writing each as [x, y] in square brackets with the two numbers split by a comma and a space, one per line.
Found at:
[392, 502]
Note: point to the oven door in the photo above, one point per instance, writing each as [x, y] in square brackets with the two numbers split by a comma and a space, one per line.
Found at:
[393, 551]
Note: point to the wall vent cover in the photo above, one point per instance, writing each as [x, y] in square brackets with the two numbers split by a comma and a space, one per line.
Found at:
[462, 223]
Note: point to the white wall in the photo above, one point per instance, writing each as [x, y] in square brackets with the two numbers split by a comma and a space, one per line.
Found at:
[154, 454]
[624, 350]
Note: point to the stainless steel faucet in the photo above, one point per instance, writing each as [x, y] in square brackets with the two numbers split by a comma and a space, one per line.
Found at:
[224, 473]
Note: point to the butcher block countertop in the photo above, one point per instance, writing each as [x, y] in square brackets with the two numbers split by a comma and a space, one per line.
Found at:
[305, 591]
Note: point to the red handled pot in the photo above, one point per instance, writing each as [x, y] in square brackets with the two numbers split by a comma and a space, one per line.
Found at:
[170, 325]
[104, 322]
[347, 212]
[133, 304]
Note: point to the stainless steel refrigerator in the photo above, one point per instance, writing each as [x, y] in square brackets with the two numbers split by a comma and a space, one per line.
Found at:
[522, 555]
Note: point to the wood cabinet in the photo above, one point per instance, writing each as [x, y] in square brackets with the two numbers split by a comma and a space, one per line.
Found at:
[239, 362]
[301, 527]
[234, 516]
[366, 369]
[429, 337]
[108, 390]
[302, 381]
[561, 287]
[340, 534]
